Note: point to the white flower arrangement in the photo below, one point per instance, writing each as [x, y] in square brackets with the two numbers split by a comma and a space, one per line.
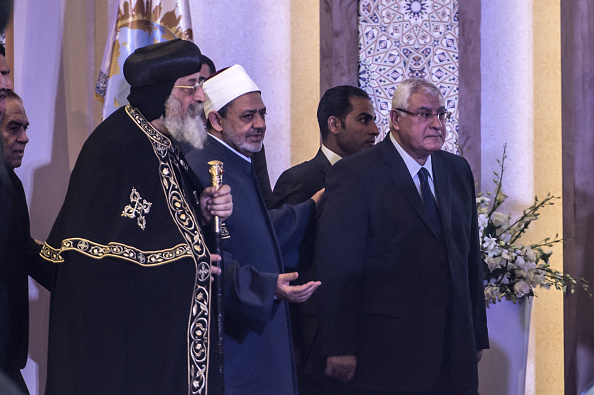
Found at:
[512, 270]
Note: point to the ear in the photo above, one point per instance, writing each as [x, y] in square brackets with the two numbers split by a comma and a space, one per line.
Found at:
[215, 121]
[334, 124]
[395, 118]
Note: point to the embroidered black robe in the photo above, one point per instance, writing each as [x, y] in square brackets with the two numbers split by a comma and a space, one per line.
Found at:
[129, 308]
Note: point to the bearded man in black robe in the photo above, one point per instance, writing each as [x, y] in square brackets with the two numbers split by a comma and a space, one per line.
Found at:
[130, 305]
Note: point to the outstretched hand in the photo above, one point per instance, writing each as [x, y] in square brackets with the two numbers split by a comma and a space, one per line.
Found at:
[216, 202]
[294, 293]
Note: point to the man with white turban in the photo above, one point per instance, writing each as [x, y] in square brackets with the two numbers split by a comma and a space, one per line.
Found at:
[257, 342]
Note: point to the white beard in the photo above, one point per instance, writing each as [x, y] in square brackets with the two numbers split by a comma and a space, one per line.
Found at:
[189, 127]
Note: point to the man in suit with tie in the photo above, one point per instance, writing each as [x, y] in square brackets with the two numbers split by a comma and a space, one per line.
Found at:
[401, 306]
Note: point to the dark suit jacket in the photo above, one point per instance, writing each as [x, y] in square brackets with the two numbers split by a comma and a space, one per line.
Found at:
[297, 184]
[19, 256]
[261, 170]
[300, 182]
[392, 294]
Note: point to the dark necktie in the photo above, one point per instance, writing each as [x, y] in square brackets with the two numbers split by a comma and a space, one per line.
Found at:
[430, 205]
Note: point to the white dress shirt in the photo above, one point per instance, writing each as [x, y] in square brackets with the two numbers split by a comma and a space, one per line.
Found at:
[413, 167]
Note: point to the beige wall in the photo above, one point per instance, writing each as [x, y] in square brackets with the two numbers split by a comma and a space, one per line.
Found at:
[546, 332]
[305, 79]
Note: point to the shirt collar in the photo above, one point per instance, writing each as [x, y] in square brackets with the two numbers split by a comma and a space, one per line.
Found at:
[411, 164]
[232, 149]
[332, 156]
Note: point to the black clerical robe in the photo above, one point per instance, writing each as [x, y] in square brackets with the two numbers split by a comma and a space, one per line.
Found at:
[258, 349]
[129, 311]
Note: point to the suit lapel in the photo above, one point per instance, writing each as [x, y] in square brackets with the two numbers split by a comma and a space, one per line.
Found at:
[442, 191]
[19, 201]
[400, 177]
[322, 162]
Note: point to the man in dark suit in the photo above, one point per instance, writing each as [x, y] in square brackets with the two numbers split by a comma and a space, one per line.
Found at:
[401, 306]
[19, 253]
[346, 119]
[12, 298]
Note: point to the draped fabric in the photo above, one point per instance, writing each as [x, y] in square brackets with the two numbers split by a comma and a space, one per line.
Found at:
[138, 23]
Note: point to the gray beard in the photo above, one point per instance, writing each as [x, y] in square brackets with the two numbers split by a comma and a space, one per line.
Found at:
[190, 127]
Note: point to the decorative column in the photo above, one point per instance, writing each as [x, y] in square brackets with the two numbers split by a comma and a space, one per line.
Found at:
[338, 43]
[577, 64]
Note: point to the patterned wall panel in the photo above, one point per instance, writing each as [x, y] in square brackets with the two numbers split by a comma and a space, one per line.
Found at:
[409, 38]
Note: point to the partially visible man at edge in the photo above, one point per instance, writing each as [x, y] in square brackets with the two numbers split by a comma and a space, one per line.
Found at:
[346, 120]
[258, 350]
[19, 253]
[129, 311]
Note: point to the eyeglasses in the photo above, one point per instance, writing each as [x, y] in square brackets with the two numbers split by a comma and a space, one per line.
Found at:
[194, 87]
[427, 116]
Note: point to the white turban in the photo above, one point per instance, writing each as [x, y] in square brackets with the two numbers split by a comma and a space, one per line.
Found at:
[226, 86]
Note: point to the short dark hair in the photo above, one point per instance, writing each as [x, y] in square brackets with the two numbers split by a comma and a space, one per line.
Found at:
[211, 66]
[337, 102]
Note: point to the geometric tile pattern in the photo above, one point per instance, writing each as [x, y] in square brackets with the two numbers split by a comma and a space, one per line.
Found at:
[409, 38]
